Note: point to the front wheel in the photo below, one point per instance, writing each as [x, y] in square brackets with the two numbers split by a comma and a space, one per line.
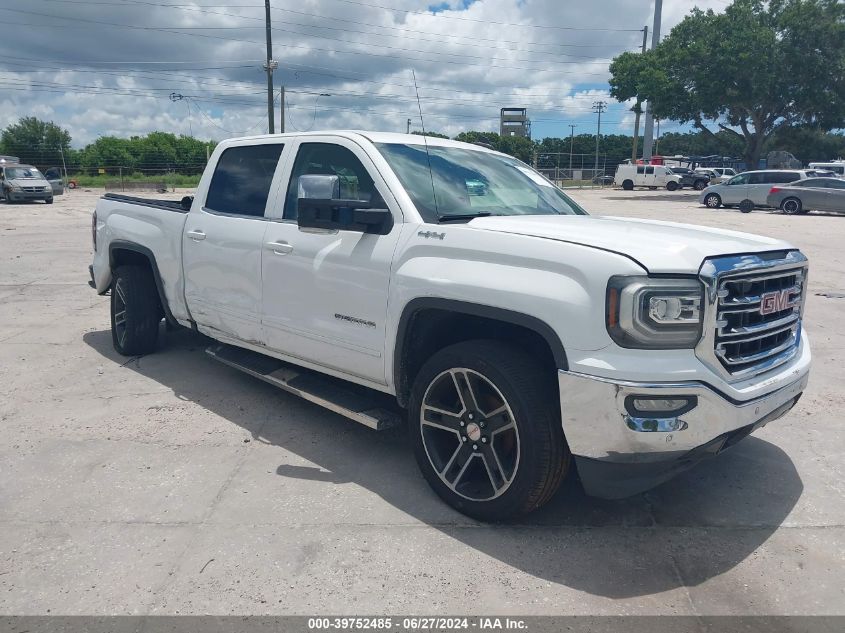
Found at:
[791, 206]
[712, 201]
[485, 424]
[48, 201]
[671, 185]
[700, 185]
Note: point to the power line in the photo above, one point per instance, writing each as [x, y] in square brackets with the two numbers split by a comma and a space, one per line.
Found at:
[465, 19]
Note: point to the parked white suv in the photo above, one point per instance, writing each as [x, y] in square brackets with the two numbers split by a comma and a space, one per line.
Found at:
[629, 176]
[749, 189]
[453, 289]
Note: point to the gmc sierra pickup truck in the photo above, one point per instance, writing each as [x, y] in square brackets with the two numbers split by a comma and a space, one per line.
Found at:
[402, 280]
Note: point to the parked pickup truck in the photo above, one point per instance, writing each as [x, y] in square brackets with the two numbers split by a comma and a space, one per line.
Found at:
[399, 280]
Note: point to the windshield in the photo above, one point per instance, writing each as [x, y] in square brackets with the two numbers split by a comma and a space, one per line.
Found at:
[22, 172]
[472, 183]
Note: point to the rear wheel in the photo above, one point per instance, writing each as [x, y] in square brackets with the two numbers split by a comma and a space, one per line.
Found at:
[627, 185]
[135, 311]
[485, 425]
[712, 201]
[792, 206]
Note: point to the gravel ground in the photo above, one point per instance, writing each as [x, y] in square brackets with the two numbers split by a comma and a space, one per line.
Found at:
[172, 484]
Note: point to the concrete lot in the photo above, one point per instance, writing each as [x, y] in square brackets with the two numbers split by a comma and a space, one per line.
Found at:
[171, 484]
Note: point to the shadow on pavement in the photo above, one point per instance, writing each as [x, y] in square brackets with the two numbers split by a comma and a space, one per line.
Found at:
[691, 529]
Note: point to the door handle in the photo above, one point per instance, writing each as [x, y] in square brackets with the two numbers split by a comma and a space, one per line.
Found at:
[197, 235]
[280, 248]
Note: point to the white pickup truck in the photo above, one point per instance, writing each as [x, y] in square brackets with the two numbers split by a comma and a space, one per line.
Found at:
[397, 280]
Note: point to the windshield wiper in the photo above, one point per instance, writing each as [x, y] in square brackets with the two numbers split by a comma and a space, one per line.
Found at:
[464, 216]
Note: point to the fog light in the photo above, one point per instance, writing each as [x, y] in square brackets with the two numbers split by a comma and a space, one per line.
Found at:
[655, 425]
[659, 406]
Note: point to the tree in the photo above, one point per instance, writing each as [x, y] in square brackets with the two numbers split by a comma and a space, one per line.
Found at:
[36, 142]
[432, 134]
[753, 70]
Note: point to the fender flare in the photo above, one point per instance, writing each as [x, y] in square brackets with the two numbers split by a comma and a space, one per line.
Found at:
[470, 309]
[126, 245]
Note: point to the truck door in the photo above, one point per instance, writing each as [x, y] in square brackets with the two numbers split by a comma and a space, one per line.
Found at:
[325, 291]
[222, 243]
[650, 178]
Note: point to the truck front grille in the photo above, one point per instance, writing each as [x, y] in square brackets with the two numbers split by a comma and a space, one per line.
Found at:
[755, 312]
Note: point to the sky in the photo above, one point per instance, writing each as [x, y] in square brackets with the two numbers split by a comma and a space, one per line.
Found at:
[129, 67]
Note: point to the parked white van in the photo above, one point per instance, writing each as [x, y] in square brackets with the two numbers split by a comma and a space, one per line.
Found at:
[837, 167]
[629, 176]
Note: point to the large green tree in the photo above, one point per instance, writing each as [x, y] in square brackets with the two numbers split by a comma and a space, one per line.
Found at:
[36, 142]
[751, 71]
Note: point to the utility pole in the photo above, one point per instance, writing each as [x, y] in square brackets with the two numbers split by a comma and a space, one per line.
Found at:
[571, 141]
[270, 65]
[408, 127]
[282, 111]
[598, 108]
[648, 141]
[638, 108]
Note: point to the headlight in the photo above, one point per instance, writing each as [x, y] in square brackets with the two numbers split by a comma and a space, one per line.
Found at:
[644, 312]
[15, 187]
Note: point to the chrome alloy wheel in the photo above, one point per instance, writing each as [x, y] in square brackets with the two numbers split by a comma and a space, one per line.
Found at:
[469, 434]
[120, 311]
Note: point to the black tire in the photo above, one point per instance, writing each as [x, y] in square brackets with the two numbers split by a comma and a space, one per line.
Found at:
[699, 185]
[628, 185]
[712, 201]
[524, 481]
[672, 185]
[135, 311]
[746, 206]
[49, 201]
[792, 206]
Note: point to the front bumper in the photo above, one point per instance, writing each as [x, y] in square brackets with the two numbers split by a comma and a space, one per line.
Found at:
[18, 196]
[614, 460]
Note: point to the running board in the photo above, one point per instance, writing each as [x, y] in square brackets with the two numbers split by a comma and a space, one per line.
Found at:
[371, 408]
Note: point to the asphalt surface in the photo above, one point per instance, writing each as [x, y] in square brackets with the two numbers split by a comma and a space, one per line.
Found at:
[171, 484]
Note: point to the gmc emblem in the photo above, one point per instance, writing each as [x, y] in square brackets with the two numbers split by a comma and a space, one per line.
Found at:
[777, 301]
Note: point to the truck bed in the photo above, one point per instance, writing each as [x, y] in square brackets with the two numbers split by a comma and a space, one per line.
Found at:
[167, 205]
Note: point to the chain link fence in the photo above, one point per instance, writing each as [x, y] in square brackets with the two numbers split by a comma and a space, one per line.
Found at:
[576, 170]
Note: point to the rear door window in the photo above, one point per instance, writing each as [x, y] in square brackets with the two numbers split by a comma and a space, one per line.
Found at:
[241, 181]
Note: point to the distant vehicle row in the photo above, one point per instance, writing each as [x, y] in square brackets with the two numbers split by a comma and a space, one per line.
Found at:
[793, 191]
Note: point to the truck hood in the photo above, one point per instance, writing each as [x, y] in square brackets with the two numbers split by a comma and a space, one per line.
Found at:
[661, 247]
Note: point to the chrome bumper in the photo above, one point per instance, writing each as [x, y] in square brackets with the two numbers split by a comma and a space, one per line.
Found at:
[614, 460]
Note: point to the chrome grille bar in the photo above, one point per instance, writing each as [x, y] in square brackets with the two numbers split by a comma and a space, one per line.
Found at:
[754, 309]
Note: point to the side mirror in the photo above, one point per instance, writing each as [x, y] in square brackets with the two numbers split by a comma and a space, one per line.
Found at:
[344, 215]
[186, 203]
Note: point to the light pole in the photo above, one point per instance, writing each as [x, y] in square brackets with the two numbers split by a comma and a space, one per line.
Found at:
[408, 127]
[598, 108]
[638, 108]
[571, 141]
[648, 140]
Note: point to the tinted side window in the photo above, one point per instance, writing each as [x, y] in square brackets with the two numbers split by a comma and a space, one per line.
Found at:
[835, 183]
[640, 169]
[241, 181]
[332, 160]
[782, 177]
[758, 179]
[649, 170]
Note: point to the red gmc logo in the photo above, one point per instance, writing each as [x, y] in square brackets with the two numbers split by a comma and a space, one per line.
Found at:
[777, 301]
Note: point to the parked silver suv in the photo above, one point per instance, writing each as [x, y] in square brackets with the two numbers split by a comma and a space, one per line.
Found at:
[749, 189]
[24, 182]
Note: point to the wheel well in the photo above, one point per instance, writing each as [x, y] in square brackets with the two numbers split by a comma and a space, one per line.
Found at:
[129, 254]
[428, 330]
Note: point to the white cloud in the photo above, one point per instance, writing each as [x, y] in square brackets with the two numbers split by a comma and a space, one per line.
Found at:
[498, 53]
